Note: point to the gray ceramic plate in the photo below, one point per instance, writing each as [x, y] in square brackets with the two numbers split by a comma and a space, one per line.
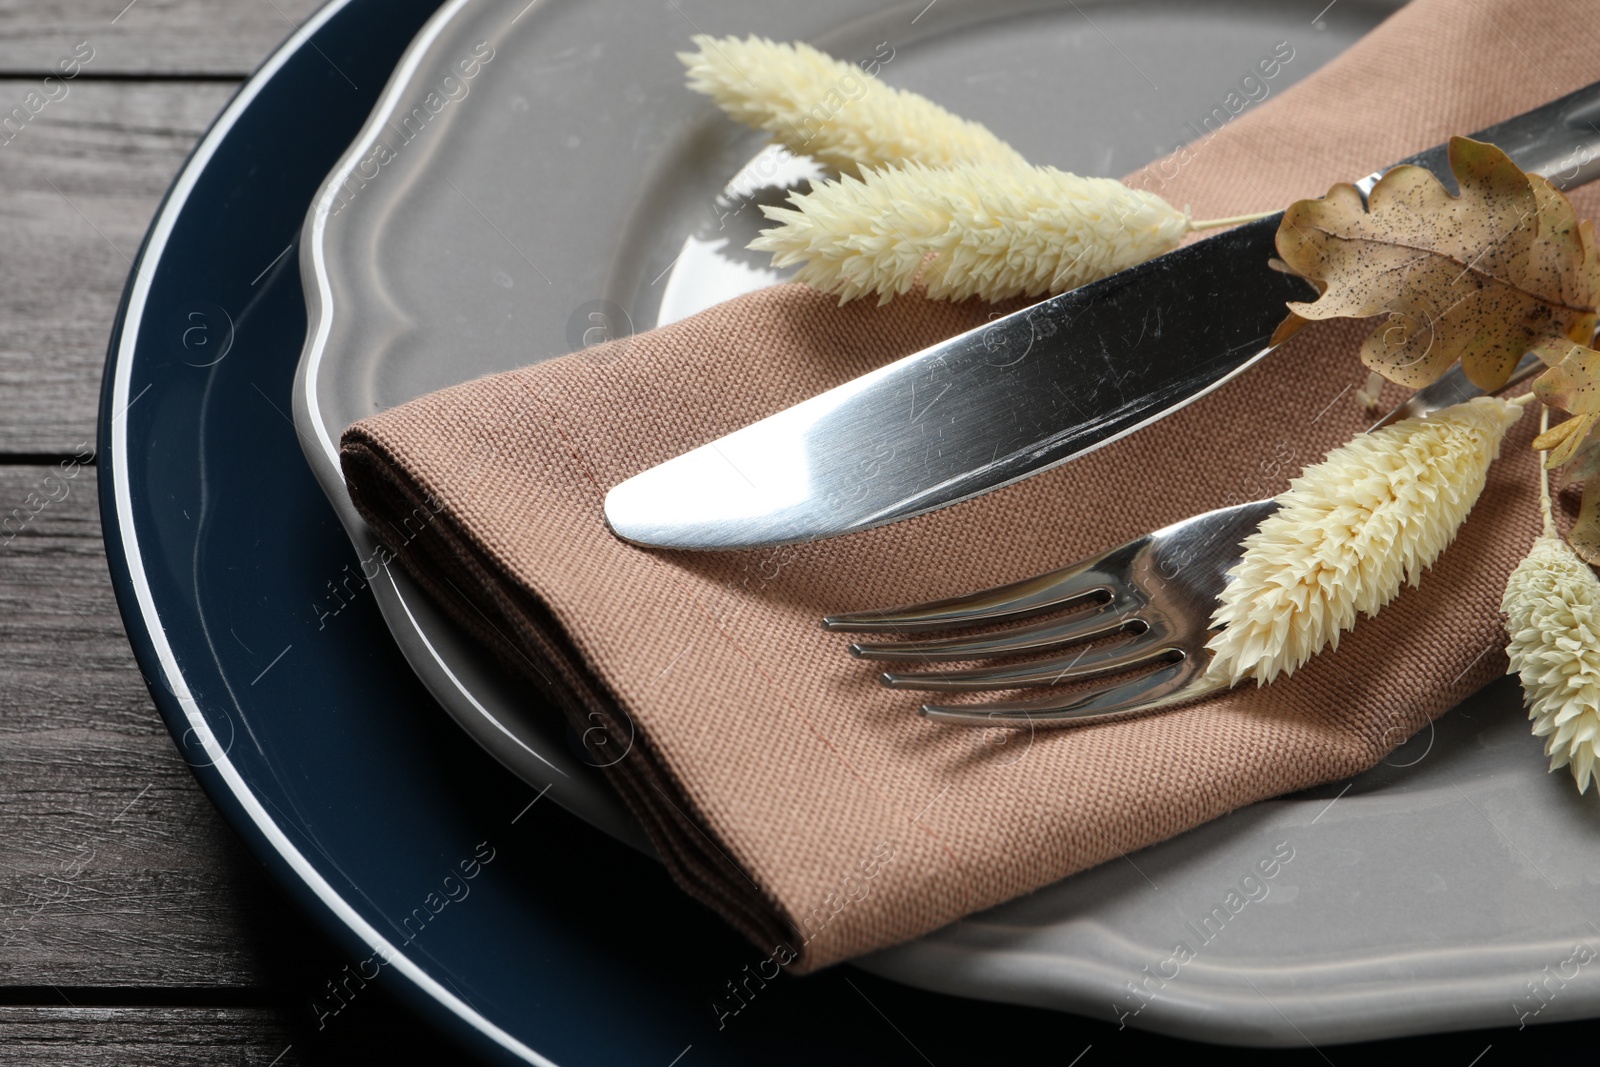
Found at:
[570, 190]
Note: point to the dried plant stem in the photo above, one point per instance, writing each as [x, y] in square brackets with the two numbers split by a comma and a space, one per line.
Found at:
[1546, 510]
[1234, 220]
[1552, 609]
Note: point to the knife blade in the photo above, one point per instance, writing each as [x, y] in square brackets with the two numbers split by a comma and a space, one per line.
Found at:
[1024, 393]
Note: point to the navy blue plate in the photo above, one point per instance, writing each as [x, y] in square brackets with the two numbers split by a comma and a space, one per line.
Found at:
[524, 934]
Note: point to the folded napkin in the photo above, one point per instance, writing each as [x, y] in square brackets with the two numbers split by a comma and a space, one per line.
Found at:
[782, 785]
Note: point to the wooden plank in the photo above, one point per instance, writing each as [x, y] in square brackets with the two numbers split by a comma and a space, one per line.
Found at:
[155, 37]
[116, 870]
[375, 1029]
[82, 181]
[118, 879]
[171, 1036]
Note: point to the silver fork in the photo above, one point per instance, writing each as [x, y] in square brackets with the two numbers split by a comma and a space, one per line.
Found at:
[1158, 590]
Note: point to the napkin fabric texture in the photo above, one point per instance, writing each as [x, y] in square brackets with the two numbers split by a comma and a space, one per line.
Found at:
[781, 784]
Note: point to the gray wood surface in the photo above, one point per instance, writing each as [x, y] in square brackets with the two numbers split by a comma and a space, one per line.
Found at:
[149, 37]
[115, 869]
[82, 180]
[173, 1037]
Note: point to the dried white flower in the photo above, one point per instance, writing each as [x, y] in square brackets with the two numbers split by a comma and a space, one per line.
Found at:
[1552, 608]
[1349, 532]
[834, 112]
[967, 214]
[992, 230]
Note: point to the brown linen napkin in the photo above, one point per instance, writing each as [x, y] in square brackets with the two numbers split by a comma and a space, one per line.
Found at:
[781, 784]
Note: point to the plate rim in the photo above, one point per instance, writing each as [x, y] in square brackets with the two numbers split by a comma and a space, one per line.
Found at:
[142, 622]
[398, 597]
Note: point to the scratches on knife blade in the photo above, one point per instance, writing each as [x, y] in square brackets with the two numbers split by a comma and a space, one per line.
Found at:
[916, 415]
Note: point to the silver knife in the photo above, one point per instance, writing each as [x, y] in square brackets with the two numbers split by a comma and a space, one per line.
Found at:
[1026, 392]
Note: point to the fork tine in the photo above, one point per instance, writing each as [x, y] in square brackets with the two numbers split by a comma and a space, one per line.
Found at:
[1105, 618]
[1150, 647]
[1176, 683]
[1015, 600]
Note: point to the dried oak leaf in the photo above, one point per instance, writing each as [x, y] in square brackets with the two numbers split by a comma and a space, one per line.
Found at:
[1482, 277]
[1573, 384]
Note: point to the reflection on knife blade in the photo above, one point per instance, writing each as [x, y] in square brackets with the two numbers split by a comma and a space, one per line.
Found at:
[1022, 394]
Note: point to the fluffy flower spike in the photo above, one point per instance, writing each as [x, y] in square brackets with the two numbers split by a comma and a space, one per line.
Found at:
[832, 111]
[1552, 608]
[990, 230]
[1349, 533]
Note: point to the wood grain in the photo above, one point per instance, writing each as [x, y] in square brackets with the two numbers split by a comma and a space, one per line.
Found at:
[173, 1037]
[268, 1034]
[82, 180]
[118, 879]
[115, 869]
[155, 37]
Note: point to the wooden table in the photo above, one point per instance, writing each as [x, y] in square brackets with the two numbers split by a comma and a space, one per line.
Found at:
[133, 926]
